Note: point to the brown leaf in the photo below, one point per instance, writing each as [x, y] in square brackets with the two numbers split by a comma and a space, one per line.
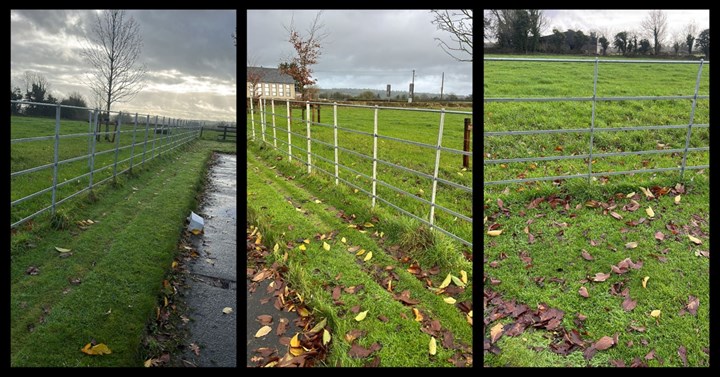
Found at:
[404, 297]
[600, 277]
[683, 355]
[382, 318]
[629, 304]
[354, 334]
[32, 270]
[693, 303]
[360, 352]
[586, 255]
[604, 343]
[616, 215]
[336, 292]
[496, 332]
[265, 319]
[282, 327]
[194, 347]
[583, 292]
[650, 355]
[659, 236]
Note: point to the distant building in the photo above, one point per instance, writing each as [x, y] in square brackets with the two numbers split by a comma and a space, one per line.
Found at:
[271, 83]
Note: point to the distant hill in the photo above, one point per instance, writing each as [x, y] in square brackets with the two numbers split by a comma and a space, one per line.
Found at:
[353, 92]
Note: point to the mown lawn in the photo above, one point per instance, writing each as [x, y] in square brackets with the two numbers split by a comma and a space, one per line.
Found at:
[558, 240]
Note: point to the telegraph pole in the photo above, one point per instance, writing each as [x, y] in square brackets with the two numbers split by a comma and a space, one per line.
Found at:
[442, 83]
[412, 88]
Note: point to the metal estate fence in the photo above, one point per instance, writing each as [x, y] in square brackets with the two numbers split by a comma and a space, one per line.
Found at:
[307, 156]
[592, 130]
[143, 138]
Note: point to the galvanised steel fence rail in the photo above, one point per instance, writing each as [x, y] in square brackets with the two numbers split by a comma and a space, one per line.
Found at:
[307, 153]
[168, 134]
[592, 130]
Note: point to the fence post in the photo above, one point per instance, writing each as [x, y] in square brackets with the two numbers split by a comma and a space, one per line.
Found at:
[154, 137]
[335, 127]
[132, 150]
[160, 143]
[92, 153]
[375, 142]
[692, 119]
[466, 143]
[307, 120]
[147, 128]
[55, 156]
[252, 119]
[90, 124]
[437, 167]
[117, 144]
[272, 104]
[262, 117]
[592, 120]
[289, 134]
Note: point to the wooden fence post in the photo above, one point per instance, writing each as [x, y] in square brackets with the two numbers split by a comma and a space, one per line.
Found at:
[466, 143]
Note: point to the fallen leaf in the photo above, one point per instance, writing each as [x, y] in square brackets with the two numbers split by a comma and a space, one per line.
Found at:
[616, 215]
[693, 304]
[357, 351]
[655, 313]
[629, 304]
[494, 233]
[683, 355]
[604, 343]
[307, 241]
[650, 212]
[194, 347]
[659, 236]
[433, 345]
[361, 316]
[99, 349]
[319, 326]
[677, 199]
[586, 255]
[174, 264]
[630, 195]
[650, 355]
[449, 300]
[644, 281]
[600, 277]
[276, 248]
[61, 250]
[32, 270]
[326, 246]
[695, 240]
[302, 247]
[343, 240]
[148, 363]
[368, 256]
[326, 337]
[359, 253]
[463, 276]
[418, 315]
[457, 281]
[496, 332]
[647, 193]
[631, 245]
[295, 342]
[446, 282]
[583, 292]
[227, 310]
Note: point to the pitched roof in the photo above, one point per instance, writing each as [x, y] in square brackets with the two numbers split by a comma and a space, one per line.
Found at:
[271, 75]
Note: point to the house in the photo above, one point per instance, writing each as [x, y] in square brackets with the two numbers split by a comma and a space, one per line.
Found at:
[269, 83]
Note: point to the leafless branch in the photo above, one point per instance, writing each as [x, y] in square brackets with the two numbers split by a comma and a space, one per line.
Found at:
[459, 25]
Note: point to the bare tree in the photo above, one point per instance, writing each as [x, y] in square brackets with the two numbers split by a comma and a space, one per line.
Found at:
[112, 50]
[308, 51]
[656, 25]
[254, 78]
[690, 33]
[460, 25]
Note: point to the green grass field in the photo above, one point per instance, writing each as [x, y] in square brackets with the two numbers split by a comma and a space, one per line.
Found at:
[538, 258]
[415, 126]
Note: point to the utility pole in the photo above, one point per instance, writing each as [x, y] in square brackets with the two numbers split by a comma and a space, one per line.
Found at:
[412, 89]
[442, 83]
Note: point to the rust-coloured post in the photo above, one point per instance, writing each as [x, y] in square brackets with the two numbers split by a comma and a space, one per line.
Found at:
[466, 143]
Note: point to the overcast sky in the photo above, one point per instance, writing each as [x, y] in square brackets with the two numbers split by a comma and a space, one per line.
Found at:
[615, 21]
[363, 49]
[190, 57]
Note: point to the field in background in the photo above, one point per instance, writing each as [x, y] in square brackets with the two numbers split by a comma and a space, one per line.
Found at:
[554, 79]
[408, 125]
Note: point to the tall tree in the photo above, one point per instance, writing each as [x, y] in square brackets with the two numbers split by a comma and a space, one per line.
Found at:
[15, 95]
[308, 49]
[537, 24]
[74, 99]
[703, 41]
[460, 26]
[113, 49]
[656, 25]
[557, 40]
[690, 32]
[621, 41]
[37, 90]
[604, 43]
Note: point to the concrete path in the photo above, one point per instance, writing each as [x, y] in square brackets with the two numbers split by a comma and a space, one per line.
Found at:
[213, 275]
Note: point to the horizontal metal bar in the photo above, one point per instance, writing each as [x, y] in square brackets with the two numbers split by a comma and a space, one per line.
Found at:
[456, 185]
[381, 107]
[555, 158]
[413, 171]
[530, 159]
[27, 139]
[26, 171]
[585, 130]
[28, 197]
[401, 191]
[576, 99]
[72, 196]
[456, 151]
[355, 153]
[456, 214]
[487, 183]
[696, 62]
[14, 225]
[409, 142]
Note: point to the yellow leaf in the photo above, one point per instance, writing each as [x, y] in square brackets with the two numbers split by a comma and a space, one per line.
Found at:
[322, 237]
[99, 349]
[655, 313]
[695, 240]
[494, 233]
[326, 246]
[433, 345]
[390, 285]
[463, 276]
[343, 240]
[319, 326]
[253, 232]
[263, 331]
[647, 192]
[369, 225]
[445, 282]
[449, 300]
[174, 264]
[276, 248]
[418, 315]
[90, 221]
[362, 231]
[166, 302]
[457, 281]
[303, 311]
[460, 174]
[302, 247]
[307, 241]
[645, 280]
[352, 226]
[326, 337]
[317, 201]
[470, 314]
[227, 310]
[382, 234]
[650, 212]
[361, 316]
[630, 195]
[631, 245]
[295, 342]
[359, 253]
[296, 351]
[270, 364]
[368, 256]
[355, 191]
[285, 257]
[60, 249]
[677, 199]
[148, 363]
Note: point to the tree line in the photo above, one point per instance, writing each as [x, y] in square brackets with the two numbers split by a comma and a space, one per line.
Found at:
[521, 31]
[37, 90]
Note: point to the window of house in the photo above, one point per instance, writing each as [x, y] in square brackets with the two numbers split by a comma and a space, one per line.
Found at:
[287, 89]
[274, 90]
[281, 89]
